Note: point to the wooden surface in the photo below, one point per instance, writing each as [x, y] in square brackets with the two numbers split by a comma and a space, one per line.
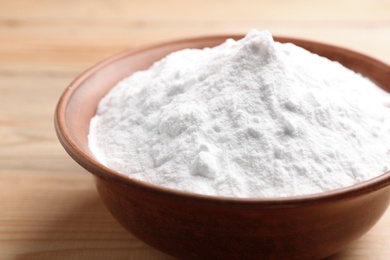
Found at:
[49, 208]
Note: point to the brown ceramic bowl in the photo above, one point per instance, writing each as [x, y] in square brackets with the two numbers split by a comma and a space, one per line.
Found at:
[189, 225]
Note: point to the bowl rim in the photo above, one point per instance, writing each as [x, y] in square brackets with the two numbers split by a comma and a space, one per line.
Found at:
[102, 172]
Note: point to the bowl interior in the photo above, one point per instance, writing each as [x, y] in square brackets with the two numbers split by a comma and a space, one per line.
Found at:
[79, 102]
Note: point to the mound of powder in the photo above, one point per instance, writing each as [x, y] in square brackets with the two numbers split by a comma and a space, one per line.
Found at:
[248, 118]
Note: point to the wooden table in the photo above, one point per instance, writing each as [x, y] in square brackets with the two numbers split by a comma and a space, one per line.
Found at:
[49, 208]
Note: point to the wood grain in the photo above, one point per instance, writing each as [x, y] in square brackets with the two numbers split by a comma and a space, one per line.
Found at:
[49, 208]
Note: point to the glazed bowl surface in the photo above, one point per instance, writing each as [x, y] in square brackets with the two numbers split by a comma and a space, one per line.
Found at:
[188, 225]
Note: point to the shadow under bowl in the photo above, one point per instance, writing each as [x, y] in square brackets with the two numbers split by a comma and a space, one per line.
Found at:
[188, 225]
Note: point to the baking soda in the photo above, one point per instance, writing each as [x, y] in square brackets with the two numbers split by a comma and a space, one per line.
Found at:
[248, 118]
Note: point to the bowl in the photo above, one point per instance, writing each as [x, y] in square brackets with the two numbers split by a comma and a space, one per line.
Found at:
[194, 226]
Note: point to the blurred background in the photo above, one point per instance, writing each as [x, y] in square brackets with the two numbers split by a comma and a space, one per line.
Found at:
[61, 37]
[49, 208]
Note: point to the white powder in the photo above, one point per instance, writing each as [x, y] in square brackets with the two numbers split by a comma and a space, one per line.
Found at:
[248, 118]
